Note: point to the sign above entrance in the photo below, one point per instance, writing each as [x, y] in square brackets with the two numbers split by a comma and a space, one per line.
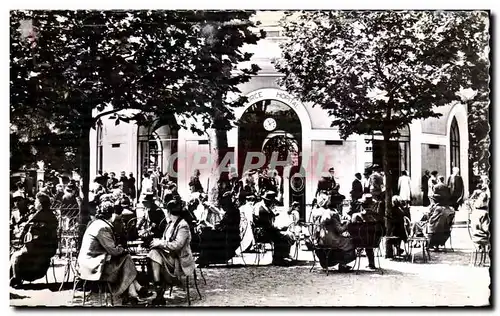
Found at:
[276, 95]
[281, 96]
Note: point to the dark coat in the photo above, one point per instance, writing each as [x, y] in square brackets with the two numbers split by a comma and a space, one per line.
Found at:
[195, 185]
[456, 185]
[326, 185]
[40, 245]
[357, 190]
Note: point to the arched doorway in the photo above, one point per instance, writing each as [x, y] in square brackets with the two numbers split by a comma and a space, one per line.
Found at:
[272, 127]
[156, 143]
[454, 145]
[398, 154]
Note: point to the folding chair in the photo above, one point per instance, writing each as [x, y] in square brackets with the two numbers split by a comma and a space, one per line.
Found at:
[366, 235]
[187, 284]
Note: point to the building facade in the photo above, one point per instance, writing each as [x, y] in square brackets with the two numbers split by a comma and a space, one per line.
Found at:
[273, 120]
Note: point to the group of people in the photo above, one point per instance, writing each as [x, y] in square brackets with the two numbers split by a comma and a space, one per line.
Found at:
[436, 189]
[244, 215]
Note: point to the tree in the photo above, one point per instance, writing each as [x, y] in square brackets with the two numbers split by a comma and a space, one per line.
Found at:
[377, 71]
[71, 68]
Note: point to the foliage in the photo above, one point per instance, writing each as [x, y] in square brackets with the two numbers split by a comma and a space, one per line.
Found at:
[67, 66]
[380, 70]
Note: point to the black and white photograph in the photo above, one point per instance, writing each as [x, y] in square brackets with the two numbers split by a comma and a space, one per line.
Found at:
[250, 158]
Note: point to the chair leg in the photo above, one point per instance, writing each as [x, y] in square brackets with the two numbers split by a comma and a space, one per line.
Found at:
[314, 261]
[75, 282]
[54, 270]
[110, 293]
[84, 284]
[327, 255]
[203, 276]
[171, 288]
[99, 289]
[187, 291]
[378, 259]
[196, 284]
[65, 276]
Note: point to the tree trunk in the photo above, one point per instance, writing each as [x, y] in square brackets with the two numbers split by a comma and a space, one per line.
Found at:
[218, 144]
[388, 195]
[85, 174]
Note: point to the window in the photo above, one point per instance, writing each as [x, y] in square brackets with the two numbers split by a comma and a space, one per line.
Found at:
[454, 145]
[99, 147]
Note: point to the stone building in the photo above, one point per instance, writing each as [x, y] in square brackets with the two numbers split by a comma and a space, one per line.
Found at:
[273, 118]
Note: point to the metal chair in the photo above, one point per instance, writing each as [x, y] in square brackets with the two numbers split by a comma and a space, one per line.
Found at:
[259, 247]
[413, 242]
[187, 284]
[100, 285]
[366, 235]
[480, 249]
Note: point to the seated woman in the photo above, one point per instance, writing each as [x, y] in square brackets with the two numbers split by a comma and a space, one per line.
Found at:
[266, 231]
[102, 259]
[39, 237]
[480, 219]
[219, 244]
[399, 212]
[171, 256]
[370, 211]
[328, 233]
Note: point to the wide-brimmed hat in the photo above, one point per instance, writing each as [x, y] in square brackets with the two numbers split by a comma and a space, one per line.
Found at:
[367, 197]
[269, 196]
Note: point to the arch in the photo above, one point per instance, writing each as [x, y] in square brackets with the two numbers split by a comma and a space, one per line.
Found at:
[99, 146]
[275, 134]
[454, 145]
[279, 95]
[459, 113]
[157, 139]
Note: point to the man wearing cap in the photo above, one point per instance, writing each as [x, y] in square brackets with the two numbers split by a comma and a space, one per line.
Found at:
[247, 186]
[265, 230]
[376, 183]
[329, 186]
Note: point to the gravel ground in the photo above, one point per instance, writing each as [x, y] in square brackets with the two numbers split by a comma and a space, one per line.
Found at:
[448, 280]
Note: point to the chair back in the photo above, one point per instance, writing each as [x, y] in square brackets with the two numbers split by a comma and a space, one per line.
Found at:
[366, 234]
[243, 224]
[408, 228]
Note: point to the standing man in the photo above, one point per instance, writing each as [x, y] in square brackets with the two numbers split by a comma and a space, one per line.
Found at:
[433, 180]
[112, 181]
[356, 191]
[125, 184]
[194, 182]
[425, 188]
[377, 184]
[330, 187]
[456, 186]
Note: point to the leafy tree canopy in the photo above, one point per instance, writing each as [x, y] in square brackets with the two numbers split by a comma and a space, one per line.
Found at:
[380, 70]
[66, 66]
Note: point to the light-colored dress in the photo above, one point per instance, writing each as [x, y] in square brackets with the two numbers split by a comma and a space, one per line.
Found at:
[404, 186]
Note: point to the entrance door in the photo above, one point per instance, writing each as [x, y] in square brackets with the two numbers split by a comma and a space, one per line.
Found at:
[394, 156]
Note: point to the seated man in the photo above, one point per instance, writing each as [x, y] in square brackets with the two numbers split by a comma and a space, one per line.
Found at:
[39, 237]
[266, 232]
[440, 220]
[101, 258]
[480, 219]
[329, 232]
[171, 256]
[370, 212]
